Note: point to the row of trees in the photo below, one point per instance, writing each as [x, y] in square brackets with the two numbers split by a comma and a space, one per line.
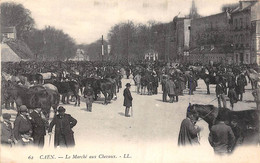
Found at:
[130, 41]
[48, 43]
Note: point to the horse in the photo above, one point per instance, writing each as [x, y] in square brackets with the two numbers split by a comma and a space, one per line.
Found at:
[246, 128]
[211, 79]
[68, 88]
[106, 86]
[34, 77]
[253, 77]
[33, 97]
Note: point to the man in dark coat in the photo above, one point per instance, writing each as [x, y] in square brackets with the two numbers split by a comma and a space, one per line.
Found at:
[220, 93]
[64, 136]
[39, 123]
[232, 96]
[6, 130]
[171, 89]
[23, 127]
[221, 137]
[241, 83]
[188, 134]
[89, 95]
[127, 72]
[164, 88]
[127, 99]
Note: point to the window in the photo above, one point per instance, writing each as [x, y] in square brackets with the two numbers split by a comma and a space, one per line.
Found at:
[242, 38]
[236, 24]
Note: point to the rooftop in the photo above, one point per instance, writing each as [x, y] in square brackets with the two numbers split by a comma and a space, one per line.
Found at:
[8, 30]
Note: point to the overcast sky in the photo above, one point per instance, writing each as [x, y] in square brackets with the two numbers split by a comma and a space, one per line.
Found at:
[87, 20]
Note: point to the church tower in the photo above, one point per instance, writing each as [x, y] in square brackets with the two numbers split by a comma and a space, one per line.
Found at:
[193, 11]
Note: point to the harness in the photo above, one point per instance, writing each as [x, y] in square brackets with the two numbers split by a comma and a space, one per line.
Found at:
[206, 114]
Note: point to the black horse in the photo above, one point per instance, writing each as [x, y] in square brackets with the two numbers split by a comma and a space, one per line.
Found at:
[107, 86]
[245, 124]
[68, 88]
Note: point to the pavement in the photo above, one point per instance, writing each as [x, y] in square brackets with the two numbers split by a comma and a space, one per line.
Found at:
[150, 135]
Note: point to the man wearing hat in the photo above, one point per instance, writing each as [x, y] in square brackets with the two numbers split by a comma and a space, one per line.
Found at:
[127, 99]
[221, 136]
[64, 136]
[22, 125]
[188, 134]
[89, 96]
[39, 123]
[6, 130]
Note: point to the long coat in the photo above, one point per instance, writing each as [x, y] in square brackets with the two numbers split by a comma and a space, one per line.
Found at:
[170, 86]
[232, 96]
[177, 87]
[63, 126]
[6, 132]
[38, 125]
[241, 83]
[188, 133]
[127, 98]
[22, 125]
[221, 137]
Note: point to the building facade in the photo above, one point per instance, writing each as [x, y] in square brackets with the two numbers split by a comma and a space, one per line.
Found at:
[210, 39]
[181, 36]
[8, 33]
[255, 35]
[245, 21]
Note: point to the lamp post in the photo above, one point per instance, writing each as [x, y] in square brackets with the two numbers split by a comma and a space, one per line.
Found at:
[102, 49]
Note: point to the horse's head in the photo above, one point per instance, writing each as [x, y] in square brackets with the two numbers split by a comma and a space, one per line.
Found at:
[205, 112]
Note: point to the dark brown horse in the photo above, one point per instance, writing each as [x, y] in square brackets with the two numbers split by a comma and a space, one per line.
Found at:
[68, 88]
[245, 124]
[33, 97]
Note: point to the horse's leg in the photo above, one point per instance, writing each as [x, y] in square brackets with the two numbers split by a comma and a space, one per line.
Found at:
[63, 98]
[117, 87]
[115, 93]
[252, 84]
[105, 95]
[78, 100]
[208, 92]
[68, 97]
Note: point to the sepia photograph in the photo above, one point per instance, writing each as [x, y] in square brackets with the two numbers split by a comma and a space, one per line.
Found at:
[140, 81]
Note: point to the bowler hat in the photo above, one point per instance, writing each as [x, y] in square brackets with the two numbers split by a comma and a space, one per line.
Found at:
[61, 109]
[7, 116]
[23, 108]
[128, 84]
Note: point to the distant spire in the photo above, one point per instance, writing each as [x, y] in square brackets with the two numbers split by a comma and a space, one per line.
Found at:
[193, 11]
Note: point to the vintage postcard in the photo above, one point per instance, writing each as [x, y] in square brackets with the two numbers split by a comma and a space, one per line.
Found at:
[142, 81]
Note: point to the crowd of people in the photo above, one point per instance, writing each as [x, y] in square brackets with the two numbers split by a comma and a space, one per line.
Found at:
[30, 126]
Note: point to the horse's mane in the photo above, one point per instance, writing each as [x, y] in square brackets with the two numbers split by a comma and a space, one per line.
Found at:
[210, 106]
